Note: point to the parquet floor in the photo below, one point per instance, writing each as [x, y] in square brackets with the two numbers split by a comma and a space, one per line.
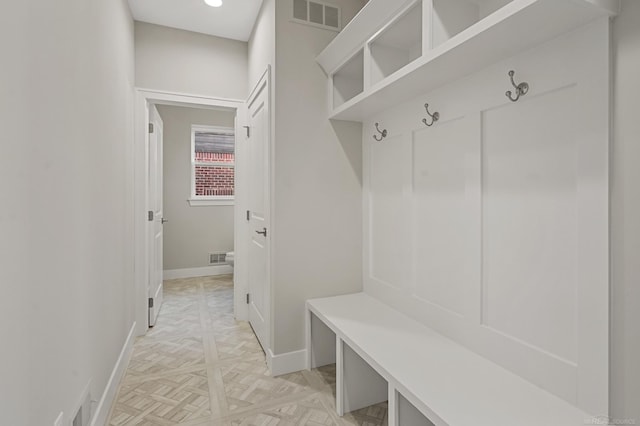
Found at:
[200, 367]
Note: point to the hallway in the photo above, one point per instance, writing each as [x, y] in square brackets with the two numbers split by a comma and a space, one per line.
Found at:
[198, 366]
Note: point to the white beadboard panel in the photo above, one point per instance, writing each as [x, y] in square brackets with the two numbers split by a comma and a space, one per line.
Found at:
[441, 216]
[501, 209]
[529, 200]
[389, 254]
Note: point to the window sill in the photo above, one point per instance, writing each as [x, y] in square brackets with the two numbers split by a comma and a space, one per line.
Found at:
[211, 202]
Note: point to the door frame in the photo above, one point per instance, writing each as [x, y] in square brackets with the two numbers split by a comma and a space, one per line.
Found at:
[143, 98]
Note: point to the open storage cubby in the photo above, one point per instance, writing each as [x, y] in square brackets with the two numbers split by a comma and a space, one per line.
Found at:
[322, 347]
[348, 81]
[362, 385]
[407, 414]
[397, 45]
[404, 48]
[451, 17]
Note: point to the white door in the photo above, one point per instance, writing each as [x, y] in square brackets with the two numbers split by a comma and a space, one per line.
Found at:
[156, 219]
[258, 205]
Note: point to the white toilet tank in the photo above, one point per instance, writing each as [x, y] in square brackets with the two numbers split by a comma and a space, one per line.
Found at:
[230, 258]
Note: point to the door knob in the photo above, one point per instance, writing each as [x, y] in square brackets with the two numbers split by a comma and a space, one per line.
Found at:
[263, 232]
[163, 220]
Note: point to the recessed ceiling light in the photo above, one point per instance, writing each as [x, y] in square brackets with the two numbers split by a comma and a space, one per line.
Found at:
[214, 3]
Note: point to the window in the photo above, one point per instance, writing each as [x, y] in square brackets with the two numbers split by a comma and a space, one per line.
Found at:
[212, 165]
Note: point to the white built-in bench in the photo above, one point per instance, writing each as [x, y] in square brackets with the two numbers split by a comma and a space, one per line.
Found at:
[381, 355]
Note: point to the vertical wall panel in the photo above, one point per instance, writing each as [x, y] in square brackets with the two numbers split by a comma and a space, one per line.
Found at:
[529, 160]
[440, 215]
[388, 251]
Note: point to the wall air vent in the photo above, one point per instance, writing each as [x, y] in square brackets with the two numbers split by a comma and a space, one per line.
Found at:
[317, 14]
[218, 258]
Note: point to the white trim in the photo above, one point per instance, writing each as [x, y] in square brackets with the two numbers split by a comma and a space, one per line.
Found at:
[222, 201]
[286, 363]
[106, 401]
[172, 274]
[184, 99]
[144, 97]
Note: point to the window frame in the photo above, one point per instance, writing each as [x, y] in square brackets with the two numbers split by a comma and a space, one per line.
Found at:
[209, 200]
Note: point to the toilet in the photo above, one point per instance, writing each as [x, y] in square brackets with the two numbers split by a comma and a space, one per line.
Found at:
[230, 257]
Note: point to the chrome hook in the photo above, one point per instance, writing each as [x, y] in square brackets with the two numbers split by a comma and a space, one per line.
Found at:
[434, 117]
[383, 133]
[521, 89]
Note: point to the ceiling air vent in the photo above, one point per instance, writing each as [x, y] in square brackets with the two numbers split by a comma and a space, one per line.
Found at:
[317, 14]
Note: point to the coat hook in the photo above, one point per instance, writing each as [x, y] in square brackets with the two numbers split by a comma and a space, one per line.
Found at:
[521, 89]
[383, 133]
[434, 117]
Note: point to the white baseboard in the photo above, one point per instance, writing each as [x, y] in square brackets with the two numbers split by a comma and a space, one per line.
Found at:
[109, 394]
[286, 363]
[173, 274]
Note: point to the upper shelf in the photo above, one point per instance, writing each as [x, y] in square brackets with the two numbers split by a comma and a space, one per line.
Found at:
[458, 37]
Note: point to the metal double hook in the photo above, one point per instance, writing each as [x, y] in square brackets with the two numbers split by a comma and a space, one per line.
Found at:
[521, 89]
[434, 117]
[383, 133]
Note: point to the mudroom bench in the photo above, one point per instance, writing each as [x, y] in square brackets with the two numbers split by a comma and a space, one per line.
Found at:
[427, 379]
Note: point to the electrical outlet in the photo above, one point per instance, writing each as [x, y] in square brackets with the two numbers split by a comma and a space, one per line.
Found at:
[58, 421]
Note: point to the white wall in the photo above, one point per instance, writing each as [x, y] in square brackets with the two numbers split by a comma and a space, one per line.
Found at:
[66, 96]
[185, 62]
[625, 212]
[317, 215]
[262, 43]
[192, 232]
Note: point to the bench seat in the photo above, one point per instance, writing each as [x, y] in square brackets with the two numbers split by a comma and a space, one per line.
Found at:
[447, 383]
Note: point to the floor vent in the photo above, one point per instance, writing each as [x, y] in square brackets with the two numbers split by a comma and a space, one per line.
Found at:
[218, 258]
[317, 14]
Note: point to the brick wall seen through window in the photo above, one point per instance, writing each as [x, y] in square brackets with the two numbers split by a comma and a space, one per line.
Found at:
[213, 162]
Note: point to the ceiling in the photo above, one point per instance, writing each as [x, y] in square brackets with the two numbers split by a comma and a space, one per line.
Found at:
[234, 19]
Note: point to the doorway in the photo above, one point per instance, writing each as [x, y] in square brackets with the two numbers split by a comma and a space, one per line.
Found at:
[199, 191]
[255, 128]
[144, 250]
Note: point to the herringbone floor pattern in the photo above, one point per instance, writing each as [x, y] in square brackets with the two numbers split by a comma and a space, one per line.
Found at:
[200, 367]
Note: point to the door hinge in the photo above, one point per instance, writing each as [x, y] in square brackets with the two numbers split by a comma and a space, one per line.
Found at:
[150, 127]
[150, 216]
[150, 302]
[248, 215]
[248, 298]
[248, 131]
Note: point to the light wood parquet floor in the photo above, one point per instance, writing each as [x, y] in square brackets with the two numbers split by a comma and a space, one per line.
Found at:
[200, 367]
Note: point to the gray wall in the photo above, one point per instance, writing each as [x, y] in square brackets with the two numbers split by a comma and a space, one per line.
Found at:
[317, 221]
[625, 213]
[66, 260]
[262, 43]
[192, 232]
[181, 61]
